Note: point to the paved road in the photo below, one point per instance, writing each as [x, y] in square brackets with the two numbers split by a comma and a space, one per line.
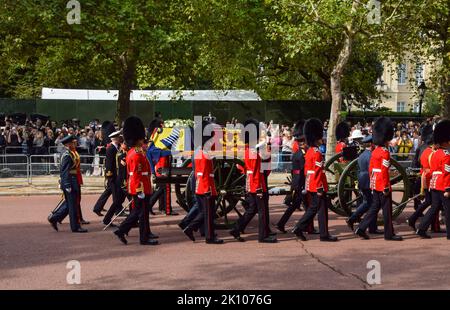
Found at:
[33, 256]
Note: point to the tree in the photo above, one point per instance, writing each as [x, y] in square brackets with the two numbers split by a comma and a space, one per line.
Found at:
[107, 49]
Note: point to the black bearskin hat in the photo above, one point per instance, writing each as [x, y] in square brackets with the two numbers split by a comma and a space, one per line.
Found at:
[426, 133]
[298, 129]
[342, 131]
[133, 131]
[442, 132]
[383, 131]
[313, 131]
[247, 136]
[107, 129]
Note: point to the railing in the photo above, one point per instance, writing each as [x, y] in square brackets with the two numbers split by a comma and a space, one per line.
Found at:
[23, 168]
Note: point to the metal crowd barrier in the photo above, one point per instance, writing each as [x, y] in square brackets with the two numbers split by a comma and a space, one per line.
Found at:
[14, 166]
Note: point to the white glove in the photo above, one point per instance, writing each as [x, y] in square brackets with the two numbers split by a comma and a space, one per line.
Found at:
[69, 190]
[141, 195]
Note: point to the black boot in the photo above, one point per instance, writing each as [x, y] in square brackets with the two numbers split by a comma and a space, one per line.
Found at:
[189, 232]
[423, 234]
[236, 235]
[121, 236]
[362, 234]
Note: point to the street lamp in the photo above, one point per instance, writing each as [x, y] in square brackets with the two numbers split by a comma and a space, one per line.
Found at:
[422, 90]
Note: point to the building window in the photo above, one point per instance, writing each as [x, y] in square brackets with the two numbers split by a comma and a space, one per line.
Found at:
[416, 107]
[419, 72]
[401, 74]
[401, 106]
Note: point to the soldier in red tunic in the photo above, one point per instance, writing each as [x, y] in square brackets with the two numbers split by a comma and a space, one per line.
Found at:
[342, 134]
[255, 189]
[380, 184]
[139, 184]
[440, 179]
[315, 184]
[205, 189]
[425, 178]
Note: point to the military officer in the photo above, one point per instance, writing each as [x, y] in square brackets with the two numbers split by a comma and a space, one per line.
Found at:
[205, 190]
[138, 183]
[111, 176]
[315, 184]
[383, 132]
[440, 179]
[255, 189]
[70, 184]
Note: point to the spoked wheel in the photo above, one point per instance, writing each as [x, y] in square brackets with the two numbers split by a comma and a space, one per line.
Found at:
[349, 196]
[230, 186]
[334, 170]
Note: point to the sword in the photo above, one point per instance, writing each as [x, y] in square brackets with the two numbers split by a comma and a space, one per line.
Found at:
[406, 202]
[117, 215]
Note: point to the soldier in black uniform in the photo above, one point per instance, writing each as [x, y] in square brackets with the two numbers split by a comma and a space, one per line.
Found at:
[111, 176]
[297, 175]
[70, 185]
[107, 129]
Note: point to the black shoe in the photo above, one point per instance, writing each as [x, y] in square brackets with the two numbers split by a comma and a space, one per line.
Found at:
[189, 232]
[149, 242]
[54, 224]
[411, 224]
[80, 230]
[182, 226]
[153, 236]
[99, 213]
[83, 222]
[362, 234]
[314, 232]
[299, 234]
[350, 224]
[329, 238]
[268, 240]
[121, 236]
[152, 212]
[236, 235]
[281, 228]
[394, 238]
[214, 241]
[377, 232]
[272, 233]
[423, 234]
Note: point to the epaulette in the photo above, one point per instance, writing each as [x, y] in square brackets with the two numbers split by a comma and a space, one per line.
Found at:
[138, 149]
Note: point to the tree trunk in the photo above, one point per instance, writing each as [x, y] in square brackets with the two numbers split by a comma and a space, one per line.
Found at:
[128, 73]
[336, 94]
[336, 83]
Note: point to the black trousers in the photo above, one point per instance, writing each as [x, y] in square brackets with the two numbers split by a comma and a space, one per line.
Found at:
[296, 200]
[435, 226]
[118, 197]
[139, 212]
[437, 201]
[162, 193]
[204, 216]
[100, 204]
[256, 204]
[318, 205]
[380, 201]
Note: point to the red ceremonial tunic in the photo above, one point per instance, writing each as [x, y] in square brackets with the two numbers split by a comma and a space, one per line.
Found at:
[204, 174]
[379, 169]
[440, 170]
[138, 169]
[255, 178]
[315, 177]
[339, 148]
[425, 160]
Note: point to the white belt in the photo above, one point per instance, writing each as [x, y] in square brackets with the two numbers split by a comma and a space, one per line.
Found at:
[249, 172]
[211, 175]
[200, 173]
[310, 172]
[131, 173]
[144, 173]
[376, 170]
[437, 172]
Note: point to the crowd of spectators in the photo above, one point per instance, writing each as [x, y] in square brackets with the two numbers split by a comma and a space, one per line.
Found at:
[42, 136]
